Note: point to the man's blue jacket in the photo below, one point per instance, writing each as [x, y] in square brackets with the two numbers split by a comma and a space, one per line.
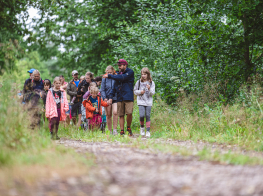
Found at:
[123, 85]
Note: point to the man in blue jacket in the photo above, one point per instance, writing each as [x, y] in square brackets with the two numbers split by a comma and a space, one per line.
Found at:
[124, 89]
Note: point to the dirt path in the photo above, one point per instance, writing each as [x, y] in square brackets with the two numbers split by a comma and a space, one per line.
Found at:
[129, 171]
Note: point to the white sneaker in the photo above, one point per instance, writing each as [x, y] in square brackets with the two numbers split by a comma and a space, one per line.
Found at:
[148, 134]
[142, 131]
[115, 132]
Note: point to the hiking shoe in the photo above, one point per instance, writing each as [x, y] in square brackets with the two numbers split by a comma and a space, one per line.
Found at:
[130, 132]
[122, 133]
[57, 138]
[142, 131]
[115, 132]
[148, 134]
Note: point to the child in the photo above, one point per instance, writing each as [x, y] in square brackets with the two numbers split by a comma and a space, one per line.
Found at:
[145, 89]
[87, 94]
[85, 121]
[43, 94]
[98, 80]
[73, 99]
[93, 107]
[56, 107]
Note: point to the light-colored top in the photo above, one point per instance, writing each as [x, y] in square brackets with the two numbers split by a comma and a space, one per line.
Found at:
[145, 99]
[51, 105]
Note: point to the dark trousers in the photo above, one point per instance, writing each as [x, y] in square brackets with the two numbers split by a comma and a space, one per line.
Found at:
[54, 122]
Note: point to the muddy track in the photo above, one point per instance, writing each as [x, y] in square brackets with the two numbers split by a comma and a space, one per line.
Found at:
[121, 170]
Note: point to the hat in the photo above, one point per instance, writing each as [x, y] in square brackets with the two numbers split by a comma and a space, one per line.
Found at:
[31, 70]
[122, 62]
[74, 72]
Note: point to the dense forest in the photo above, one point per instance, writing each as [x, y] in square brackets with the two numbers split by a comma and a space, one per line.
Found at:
[188, 45]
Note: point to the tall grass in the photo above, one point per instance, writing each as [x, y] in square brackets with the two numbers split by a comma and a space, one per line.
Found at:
[26, 152]
[205, 118]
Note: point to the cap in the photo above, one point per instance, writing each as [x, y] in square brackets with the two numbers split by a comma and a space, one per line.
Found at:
[122, 62]
[74, 72]
[31, 70]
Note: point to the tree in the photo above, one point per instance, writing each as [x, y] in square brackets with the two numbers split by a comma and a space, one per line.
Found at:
[84, 29]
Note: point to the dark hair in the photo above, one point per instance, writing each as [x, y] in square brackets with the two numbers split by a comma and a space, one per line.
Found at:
[47, 82]
[61, 76]
[98, 78]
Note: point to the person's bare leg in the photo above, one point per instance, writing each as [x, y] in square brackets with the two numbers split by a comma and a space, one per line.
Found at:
[79, 121]
[108, 116]
[68, 120]
[122, 122]
[74, 120]
[129, 120]
[115, 115]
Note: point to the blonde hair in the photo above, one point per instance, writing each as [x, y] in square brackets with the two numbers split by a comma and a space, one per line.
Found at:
[94, 90]
[147, 71]
[82, 78]
[92, 84]
[35, 72]
[89, 74]
[110, 68]
[56, 79]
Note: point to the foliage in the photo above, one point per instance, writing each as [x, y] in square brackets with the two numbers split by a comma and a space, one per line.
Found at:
[30, 155]
[9, 53]
[187, 44]
[83, 29]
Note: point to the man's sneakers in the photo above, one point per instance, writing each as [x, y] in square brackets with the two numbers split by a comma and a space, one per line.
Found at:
[148, 134]
[115, 132]
[130, 132]
[142, 131]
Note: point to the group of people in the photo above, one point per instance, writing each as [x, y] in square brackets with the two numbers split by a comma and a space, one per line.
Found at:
[90, 102]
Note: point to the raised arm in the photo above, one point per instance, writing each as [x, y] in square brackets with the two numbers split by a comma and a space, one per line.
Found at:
[123, 77]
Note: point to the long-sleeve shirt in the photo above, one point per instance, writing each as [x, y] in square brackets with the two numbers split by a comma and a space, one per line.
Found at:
[123, 85]
[145, 99]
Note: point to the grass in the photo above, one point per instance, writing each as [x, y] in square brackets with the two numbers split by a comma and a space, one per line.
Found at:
[240, 123]
[26, 154]
[31, 152]
[155, 147]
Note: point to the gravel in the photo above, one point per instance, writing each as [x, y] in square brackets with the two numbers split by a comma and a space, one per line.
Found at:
[126, 171]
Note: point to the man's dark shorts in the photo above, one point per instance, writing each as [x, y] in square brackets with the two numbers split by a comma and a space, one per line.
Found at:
[76, 109]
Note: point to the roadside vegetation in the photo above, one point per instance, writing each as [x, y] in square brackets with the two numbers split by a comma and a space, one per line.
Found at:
[200, 118]
[28, 154]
